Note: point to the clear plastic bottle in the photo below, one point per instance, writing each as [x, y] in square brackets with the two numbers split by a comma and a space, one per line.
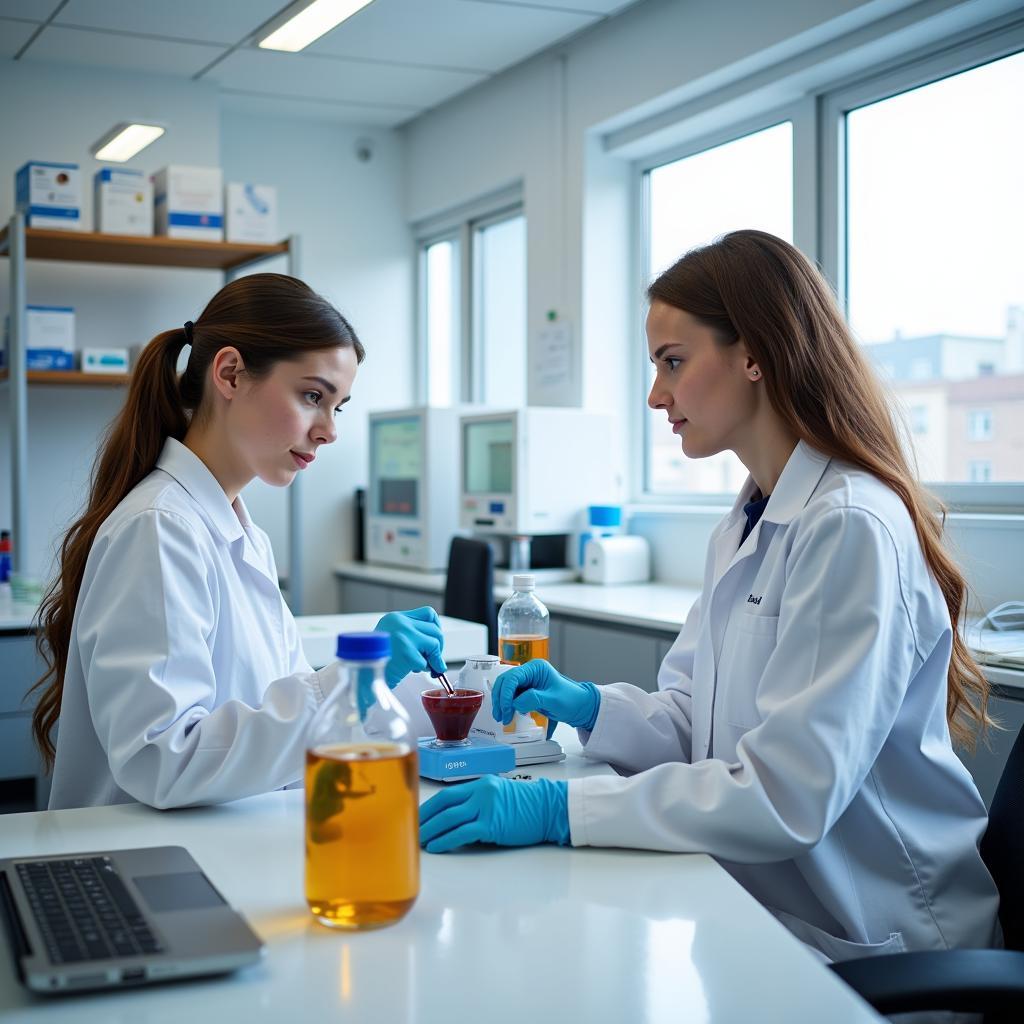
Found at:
[524, 629]
[362, 796]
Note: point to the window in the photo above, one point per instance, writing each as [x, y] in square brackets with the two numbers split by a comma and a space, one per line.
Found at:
[919, 419]
[979, 425]
[472, 316]
[933, 263]
[743, 183]
[980, 470]
[441, 315]
[499, 304]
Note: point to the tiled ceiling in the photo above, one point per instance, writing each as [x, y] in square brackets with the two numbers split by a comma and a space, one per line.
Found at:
[385, 65]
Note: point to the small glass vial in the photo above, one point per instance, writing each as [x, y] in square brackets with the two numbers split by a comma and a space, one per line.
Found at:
[362, 796]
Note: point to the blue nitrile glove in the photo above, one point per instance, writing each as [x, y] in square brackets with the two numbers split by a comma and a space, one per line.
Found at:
[493, 810]
[416, 643]
[536, 686]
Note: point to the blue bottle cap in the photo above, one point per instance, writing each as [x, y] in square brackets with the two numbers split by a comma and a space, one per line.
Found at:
[363, 646]
[605, 515]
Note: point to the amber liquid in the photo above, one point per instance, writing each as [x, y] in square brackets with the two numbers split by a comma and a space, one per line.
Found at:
[362, 834]
[517, 650]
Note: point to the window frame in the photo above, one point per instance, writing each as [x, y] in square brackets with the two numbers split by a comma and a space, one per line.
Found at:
[793, 113]
[460, 225]
[819, 211]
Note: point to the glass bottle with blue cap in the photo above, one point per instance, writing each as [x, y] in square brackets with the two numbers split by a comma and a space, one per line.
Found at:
[362, 795]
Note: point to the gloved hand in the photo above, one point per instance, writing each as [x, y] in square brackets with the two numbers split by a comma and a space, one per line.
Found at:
[493, 810]
[416, 643]
[536, 686]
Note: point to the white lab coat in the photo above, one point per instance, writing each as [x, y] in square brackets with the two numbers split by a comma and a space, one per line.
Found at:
[799, 732]
[186, 682]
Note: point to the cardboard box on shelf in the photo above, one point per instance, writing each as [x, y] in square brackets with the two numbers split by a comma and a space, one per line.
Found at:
[49, 195]
[123, 201]
[189, 203]
[50, 338]
[251, 212]
[106, 360]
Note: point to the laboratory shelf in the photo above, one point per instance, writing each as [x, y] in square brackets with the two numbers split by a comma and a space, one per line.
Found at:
[152, 251]
[75, 378]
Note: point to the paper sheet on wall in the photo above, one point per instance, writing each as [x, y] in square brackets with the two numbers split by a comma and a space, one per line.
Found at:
[554, 356]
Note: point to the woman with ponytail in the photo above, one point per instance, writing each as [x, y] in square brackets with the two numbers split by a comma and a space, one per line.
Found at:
[802, 731]
[175, 668]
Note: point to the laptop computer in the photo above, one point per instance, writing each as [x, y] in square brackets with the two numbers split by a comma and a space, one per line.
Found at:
[118, 918]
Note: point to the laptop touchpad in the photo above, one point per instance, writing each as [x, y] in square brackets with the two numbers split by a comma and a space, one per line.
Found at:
[186, 890]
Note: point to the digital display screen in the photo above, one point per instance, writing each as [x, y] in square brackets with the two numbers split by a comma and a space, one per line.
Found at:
[396, 466]
[487, 455]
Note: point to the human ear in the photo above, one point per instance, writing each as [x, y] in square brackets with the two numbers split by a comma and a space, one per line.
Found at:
[226, 367]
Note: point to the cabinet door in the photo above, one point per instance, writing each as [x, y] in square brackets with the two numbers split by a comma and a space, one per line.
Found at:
[985, 764]
[402, 599]
[605, 654]
[22, 667]
[556, 648]
[360, 596]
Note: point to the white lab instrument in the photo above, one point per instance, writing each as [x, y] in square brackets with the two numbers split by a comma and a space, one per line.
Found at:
[616, 560]
[412, 506]
[527, 472]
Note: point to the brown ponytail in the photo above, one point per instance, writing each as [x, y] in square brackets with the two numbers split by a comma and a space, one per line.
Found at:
[268, 318]
[754, 286]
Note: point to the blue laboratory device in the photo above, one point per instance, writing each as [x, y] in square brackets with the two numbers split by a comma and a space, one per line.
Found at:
[455, 764]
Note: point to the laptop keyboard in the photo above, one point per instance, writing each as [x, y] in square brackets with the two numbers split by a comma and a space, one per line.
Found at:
[84, 910]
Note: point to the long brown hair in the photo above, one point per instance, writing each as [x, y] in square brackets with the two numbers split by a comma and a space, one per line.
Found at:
[269, 318]
[754, 286]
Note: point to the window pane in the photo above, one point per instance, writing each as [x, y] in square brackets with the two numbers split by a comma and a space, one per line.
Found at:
[746, 183]
[500, 311]
[935, 266]
[441, 321]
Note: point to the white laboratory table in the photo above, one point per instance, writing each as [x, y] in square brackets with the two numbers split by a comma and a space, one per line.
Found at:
[499, 935]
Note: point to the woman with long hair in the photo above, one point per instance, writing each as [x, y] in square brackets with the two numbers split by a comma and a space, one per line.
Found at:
[802, 731]
[176, 674]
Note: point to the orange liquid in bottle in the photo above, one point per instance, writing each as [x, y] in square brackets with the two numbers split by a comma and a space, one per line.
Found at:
[362, 834]
[517, 650]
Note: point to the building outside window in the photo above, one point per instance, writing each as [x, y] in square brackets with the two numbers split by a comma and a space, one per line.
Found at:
[979, 425]
[980, 471]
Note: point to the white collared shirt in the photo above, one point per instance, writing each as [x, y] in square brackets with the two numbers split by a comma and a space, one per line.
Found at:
[799, 732]
[186, 682]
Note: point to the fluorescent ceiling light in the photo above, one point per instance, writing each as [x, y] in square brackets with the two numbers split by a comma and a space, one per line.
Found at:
[311, 23]
[125, 141]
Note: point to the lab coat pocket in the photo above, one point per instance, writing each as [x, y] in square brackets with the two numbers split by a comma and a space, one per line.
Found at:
[833, 948]
[749, 644]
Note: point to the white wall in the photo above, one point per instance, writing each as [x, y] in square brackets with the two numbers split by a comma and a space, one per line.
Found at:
[355, 249]
[567, 125]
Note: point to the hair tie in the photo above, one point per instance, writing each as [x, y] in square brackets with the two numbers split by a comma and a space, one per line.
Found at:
[188, 331]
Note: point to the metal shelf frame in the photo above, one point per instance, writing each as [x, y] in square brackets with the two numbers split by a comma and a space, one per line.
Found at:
[16, 243]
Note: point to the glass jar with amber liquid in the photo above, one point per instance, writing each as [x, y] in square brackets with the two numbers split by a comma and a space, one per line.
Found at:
[362, 796]
[524, 629]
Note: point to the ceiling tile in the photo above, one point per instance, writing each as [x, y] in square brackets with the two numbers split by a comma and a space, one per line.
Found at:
[329, 78]
[448, 33]
[14, 35]
[215, 22]
[319, 110]
[32, 10]
[130, 53]
[601, 7]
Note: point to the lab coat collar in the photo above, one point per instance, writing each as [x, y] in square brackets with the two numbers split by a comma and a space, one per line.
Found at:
[192, 473]
[793, 490]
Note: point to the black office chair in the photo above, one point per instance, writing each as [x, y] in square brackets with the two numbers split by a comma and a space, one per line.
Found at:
[469, 588]
[988, 981]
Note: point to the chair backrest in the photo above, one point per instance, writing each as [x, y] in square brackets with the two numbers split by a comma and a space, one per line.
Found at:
[1003, 845]
[469, 588]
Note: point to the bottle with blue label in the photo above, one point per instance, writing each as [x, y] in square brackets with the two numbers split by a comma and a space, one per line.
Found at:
[5, 568]
[362, 795]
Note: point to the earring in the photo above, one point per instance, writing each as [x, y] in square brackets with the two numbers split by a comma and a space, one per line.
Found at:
[754, 374]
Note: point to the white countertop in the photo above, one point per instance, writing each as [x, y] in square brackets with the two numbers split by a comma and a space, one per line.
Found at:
[658, 606]
[501, 935]
[17, 615]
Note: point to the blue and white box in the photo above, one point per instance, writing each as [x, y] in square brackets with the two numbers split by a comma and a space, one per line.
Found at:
[50, 341]
[251, 213]
[189, 203]
[123, 201]
[50, 195]
[106, 360]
